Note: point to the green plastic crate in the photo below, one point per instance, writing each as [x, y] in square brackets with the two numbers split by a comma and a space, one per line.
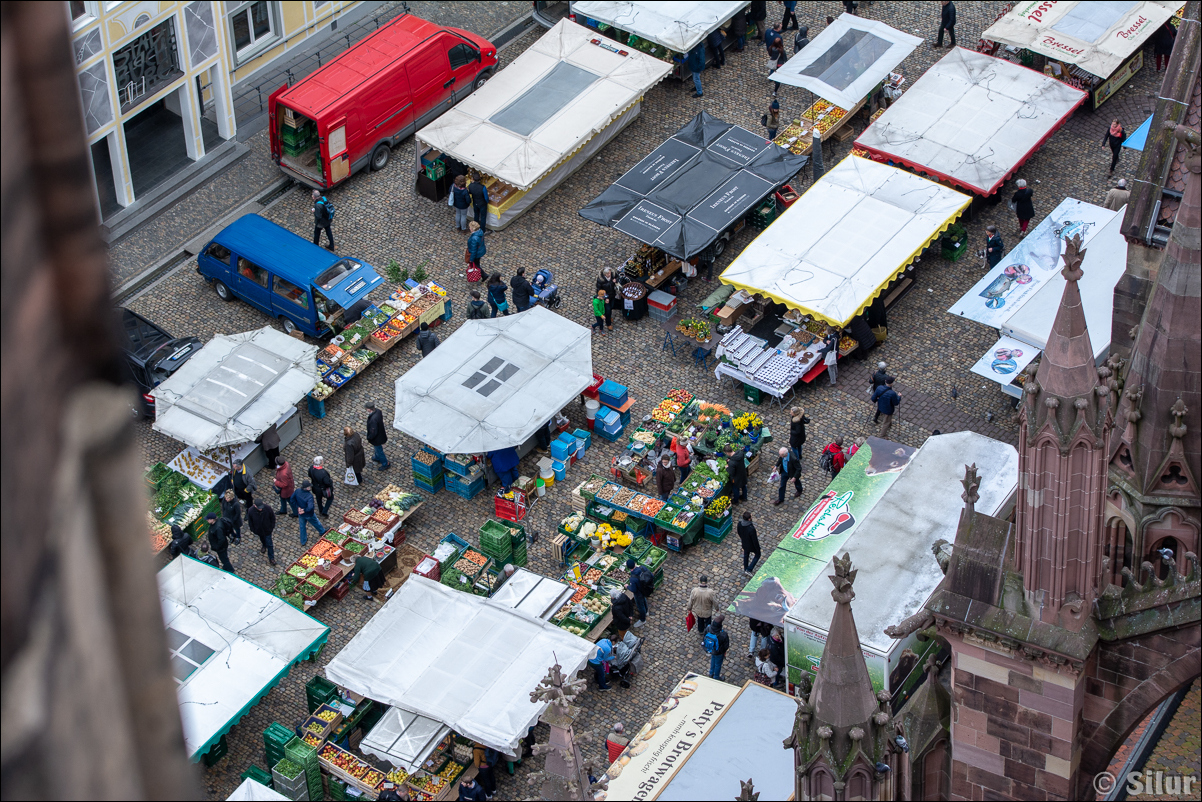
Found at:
[216, 752]
[300, 753]
[261, 776]
[319, 691]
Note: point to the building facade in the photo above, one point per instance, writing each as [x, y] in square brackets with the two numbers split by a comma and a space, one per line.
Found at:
[157, 79]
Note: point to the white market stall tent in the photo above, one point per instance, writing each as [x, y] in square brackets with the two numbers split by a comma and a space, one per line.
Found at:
[230, 642]
[562, 99]
[679, 26]
[404, 738]
[1021, 295]
[235, 388]
[531, 593]
[840, 245]
[1097, 37]
[458, 659]
[493, 383]
[971, 119]
[849, 59]
[250, 791]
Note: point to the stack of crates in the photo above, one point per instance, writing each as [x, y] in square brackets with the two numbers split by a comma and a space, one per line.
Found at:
[297, 136]
[318, 691]
[428, 476]
[762, 216]
[463, 481]
[260, 776]
[612, 427]
[495, 541]
[660, 306]
[715, 532]
[293, 787]
[305, 756]
[518, 541]
[337, 789]
[275, 740]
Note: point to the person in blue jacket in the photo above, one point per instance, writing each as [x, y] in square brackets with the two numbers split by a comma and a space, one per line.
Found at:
[605, 653]
[696, 63]
[505, 465]
[476, 248]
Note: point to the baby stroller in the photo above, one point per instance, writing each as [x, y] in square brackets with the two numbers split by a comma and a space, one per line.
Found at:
[627, 660]
[544, 288]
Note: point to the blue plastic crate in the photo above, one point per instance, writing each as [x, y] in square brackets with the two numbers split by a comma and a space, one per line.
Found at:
[624, 417]
[611, 437]
[410, 283]
[468, 493]
[459, 542]
[719, 529]
[461, 485]
[611, 393]
[430, 487]
[585, 435]
[559, 450]
[608, 418]
[447, 314]
[427, 472]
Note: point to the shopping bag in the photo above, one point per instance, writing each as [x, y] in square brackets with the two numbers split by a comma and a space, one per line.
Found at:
[774, 477]
[473, 273]
[467, 257]
[350, 477]
[690, 621]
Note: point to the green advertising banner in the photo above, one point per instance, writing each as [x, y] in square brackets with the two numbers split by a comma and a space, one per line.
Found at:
[822, 531]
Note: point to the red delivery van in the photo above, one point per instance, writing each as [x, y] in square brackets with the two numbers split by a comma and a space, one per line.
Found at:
[349, 113]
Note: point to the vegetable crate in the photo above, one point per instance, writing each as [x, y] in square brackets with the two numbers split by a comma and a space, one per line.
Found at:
[459, 465]
[718, 530]
[465, 488]
[428, 472]
[429, 486]
[715, 537]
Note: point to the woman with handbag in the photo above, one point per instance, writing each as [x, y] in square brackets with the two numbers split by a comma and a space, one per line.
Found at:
[356, 457]
[1022, 205]
[496, 295]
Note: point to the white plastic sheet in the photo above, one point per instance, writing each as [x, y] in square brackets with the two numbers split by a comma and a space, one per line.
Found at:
[235, 388]
[1096, 36]
[845, 239]
[251, 790]
[404, 738]
[243, 638]
[678, 25]
[492, 383]
[480, 131]
[459, 659]
[972, 119]
[1005, 359]
[845, 62]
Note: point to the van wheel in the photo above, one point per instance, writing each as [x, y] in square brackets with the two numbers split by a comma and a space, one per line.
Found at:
[380, 157]
[481, 80]
[719, 247]
[223, 292]
[287, 323]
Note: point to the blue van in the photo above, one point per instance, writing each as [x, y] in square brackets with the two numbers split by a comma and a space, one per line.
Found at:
[301, 285]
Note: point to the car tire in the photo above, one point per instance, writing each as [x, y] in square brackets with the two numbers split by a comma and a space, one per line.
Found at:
[380, 157]
[720, 246]
[223, 292]
[287, 323]
[481, 80]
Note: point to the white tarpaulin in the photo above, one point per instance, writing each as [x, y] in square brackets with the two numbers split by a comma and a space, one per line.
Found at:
[972, 119]
[677, 25]
[251, 790]
[230, 643]
[404, 738]
[492, 383]
[235, 388]
[539, 596]
[457, 658]
[558, 94]
[839, 245]
[847, 60]
[1096, 36]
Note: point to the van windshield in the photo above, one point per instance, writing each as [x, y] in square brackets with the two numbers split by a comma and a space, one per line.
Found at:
[340, 270]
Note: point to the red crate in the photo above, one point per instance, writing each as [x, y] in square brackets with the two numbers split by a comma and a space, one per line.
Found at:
[591, 390]
[434, 573]
[340, 590]
[786, 197]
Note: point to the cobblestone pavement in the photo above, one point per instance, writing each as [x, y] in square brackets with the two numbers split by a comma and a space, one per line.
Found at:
[380, 218]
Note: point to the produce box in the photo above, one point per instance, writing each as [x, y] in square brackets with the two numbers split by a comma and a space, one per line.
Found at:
[157, 475]
[654, 558]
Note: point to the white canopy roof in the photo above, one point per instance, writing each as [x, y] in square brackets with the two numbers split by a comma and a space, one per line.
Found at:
[839, 245]
[404, 738]
[492, 383]
[1096, 36]
[251, 790]
[457, 658]
[554, 97]
[677, 24]
[531, 593]
[230, 643]
[845, 62]
[235, 388]
[972, 119]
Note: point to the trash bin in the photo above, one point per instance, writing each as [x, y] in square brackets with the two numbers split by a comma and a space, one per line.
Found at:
[633, 300]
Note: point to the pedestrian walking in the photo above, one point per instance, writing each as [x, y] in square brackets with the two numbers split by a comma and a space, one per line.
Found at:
[476, 251]
[427, 341]
[749, 538]
[1162, 45]
[797, 431]
[243, 483]
[757, 13]
[833, 459]
[323, 486]
[760, 632]
[695, 61]
[496, 295]
[377, 434]
[460, 200]
[219, 540]
[716, 41]
[323, 219]
[607, 281]
[479, 196]
[684, 457]
[231, 510]
[352, 447]
[887, 401]
[665, 477]
[776, 58]
[994, 247]
[1022, 205]
[306, 505]
[642, 583]
[790, 15]
[771, 119]
[599, 313]
[368, 571]
[600, 663]
[285, 486]
[737, 30]
[270, 441]
[522, 291]
[947, 22]
[622, 607]
[801, 39]
[476, 308]
[702, 604]
[1114, 137]
[261, 520]
[1118, 196]
[716, 644]
[831, 360]
[736, 474]
[787, 468]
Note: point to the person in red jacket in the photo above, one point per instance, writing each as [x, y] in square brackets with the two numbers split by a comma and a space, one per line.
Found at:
[285, 485]
[684, 457]
[833, 458]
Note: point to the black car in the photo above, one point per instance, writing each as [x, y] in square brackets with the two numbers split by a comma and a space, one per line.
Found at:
[151, 355]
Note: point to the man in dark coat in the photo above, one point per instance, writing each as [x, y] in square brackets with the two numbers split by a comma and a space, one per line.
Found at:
[623, 611]
[369, 570]
[323, 486]
[665, 478]
[641, 583]
[352, 448]
[879, 379]
[231, 510]
[243, 483]
[887, 401]
[427, 340]
[307, 506]
[749, 538]
[219, 540]
[522, 291]
[479, 194]
[721, 647]
[789, 467]
[757, 12]
[181, 542]
[797, 430]
[322, 219]
[801, 39]
[261, 519]
[947, 22]
[695, 61]
[738, 30]
[376, 435]
[715, 41]
[736, 474]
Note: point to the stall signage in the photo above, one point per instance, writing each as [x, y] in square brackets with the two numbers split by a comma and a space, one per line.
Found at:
[661, 164]
[730, 201]
[1118, 78]
[654, 756]
[829, 516]
[739, 145]
[647, 221]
